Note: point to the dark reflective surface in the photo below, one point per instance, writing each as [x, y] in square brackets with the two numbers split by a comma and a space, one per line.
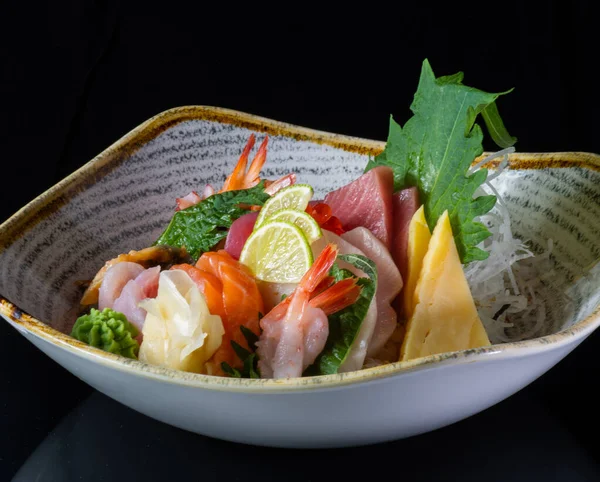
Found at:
[104, 440]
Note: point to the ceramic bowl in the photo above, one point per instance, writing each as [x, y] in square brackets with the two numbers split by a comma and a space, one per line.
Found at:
[124, 198]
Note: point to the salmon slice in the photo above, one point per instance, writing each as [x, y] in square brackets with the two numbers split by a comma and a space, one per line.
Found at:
[210, 286]
[242, 303]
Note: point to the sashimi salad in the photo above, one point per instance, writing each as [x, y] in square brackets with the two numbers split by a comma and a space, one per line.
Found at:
[259, 279]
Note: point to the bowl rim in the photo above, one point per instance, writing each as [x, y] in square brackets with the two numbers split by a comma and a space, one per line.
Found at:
[59, 194]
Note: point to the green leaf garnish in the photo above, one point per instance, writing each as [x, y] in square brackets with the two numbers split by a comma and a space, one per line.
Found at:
[227, 368]
[435, 149]
[248, 358]
[250, 336]
[345, 324]
[240, 351]
[200, 227]
[108, 330]
[495, 126]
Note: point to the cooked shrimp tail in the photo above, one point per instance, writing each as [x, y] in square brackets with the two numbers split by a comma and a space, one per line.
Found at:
[236, 178]
[242, 179]
[252, 178]
[323, 285]
[336, 298]
[319, 270]
[273, 186]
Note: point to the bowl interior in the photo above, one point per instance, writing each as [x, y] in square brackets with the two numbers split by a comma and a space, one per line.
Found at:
[124, 200]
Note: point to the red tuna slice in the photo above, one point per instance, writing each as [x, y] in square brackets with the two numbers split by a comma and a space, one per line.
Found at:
[405, 204]
[366, 202]
[239, 232]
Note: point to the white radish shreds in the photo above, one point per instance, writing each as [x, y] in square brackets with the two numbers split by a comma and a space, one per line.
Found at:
[503, 153]
[548, 303]
[503, 285]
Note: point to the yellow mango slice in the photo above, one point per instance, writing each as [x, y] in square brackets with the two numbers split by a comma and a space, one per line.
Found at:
[445, 318]
[418, 242]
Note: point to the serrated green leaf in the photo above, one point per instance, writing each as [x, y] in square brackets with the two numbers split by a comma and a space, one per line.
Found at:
[202, 226]
[435, 149]
[345, 324]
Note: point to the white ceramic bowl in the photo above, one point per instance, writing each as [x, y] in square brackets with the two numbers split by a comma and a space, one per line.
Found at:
[122, 200]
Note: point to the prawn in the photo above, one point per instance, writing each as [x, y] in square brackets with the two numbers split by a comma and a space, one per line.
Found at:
[295, 331]
[239, 178]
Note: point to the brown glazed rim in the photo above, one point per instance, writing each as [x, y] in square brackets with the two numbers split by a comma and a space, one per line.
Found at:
[61, 193]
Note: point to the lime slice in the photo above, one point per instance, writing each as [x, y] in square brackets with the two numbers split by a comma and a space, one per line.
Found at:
[291, 197]
[277, 252]
[303, 220]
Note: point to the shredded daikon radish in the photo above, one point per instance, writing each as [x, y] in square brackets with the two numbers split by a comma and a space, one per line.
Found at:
[504, 285]
[494, 284]
[503, 153]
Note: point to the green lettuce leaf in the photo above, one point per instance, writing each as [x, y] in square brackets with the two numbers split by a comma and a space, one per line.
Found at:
[108, 330]
[435, 149]
[345, 324]
[200, 227]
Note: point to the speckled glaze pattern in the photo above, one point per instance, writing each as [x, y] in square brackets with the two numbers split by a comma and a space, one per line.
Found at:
[124, 198]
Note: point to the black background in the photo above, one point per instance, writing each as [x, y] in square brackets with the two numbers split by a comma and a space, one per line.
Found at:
[76, 76]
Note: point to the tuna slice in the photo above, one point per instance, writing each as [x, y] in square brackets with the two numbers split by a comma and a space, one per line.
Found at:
[366, 202]
[239, 232]
[405, 204]
[389, 284]
[358, 351]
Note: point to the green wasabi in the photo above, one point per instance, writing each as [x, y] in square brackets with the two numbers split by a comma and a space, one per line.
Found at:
[108, 330]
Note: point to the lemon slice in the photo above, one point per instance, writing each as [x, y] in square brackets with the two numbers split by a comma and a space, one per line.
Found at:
[303, 220]
[291, 197]
[277, 252]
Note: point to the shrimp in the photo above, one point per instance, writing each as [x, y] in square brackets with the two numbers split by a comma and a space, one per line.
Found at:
[242, 179]
[189, 200]
[239, 178]
[271, 187]
[295, 331]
